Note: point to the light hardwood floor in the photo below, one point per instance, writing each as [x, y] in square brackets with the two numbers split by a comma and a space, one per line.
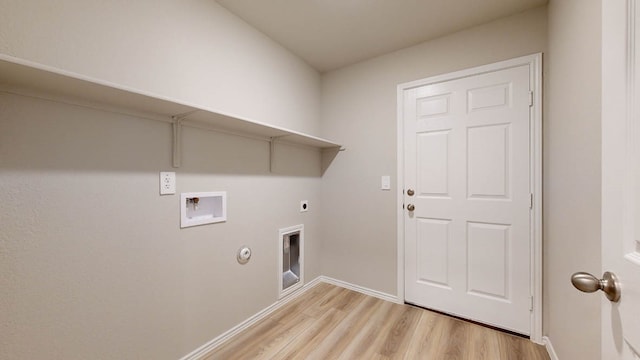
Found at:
[330, 322]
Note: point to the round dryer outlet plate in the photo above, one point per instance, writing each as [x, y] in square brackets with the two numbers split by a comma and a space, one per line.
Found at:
[244, 254]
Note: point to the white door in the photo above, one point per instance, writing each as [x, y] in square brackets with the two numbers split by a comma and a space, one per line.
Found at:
[467, 174]
[621, 177]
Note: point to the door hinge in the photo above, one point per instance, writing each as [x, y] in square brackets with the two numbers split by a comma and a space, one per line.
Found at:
[530, 303]
[530, 98]
[530, 200]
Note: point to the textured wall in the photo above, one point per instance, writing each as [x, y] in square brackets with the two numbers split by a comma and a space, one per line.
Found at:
[92, 260]
[359, 110]
[572, 184]
[194, 51]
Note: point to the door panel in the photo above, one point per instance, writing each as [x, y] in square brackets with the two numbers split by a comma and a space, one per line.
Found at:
[432, 249]
[488, 265]
[467, 243]
[488, 162]
[621, 176]
[433, 160]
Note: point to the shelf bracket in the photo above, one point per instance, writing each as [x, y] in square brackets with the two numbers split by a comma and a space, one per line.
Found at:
[177, 140]
[177, 136]
[272, 151]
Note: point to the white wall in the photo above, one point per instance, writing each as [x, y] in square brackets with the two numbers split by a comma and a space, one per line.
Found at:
[92, 260]
[359, 111]
[192, 50]
[572, 176]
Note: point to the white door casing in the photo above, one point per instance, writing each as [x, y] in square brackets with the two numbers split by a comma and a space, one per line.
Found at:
[621, 176]
[469, 146]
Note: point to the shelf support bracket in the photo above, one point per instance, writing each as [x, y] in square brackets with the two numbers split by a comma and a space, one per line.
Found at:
[177, 141]
[272, 151]
[177, 136]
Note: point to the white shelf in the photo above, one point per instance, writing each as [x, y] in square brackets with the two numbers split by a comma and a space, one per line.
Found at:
[17, 75]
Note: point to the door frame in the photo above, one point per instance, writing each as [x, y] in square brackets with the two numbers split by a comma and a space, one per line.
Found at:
[534, 61]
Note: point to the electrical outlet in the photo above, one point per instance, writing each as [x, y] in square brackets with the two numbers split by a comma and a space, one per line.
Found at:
[167, 183]
[304, 205]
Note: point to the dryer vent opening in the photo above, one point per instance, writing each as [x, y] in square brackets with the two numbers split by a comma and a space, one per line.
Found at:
[290, 271]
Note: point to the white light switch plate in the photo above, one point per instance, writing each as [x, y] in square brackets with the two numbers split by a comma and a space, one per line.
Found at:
[167, 183]
[385, 183]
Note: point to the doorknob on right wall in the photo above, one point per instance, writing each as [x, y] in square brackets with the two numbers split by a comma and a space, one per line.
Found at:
[609, 284]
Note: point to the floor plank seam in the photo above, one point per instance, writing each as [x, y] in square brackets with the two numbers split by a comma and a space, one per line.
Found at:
[328, 321]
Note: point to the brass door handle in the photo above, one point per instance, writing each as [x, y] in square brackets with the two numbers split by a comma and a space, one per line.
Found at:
[411, 207]
[609, 284]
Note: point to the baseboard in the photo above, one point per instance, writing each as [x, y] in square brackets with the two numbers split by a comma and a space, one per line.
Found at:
[205, 349]
[360, 289]
[549, 346]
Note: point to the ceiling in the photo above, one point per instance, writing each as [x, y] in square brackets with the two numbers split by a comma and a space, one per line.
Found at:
[329, 34]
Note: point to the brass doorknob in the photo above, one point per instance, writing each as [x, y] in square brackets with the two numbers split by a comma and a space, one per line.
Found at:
[410, 207]
[609, 284]
[410, 192]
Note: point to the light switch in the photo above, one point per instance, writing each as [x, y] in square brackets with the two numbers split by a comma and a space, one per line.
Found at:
[386, 182]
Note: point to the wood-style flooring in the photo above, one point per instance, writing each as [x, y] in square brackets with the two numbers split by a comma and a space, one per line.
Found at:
[330, 322]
